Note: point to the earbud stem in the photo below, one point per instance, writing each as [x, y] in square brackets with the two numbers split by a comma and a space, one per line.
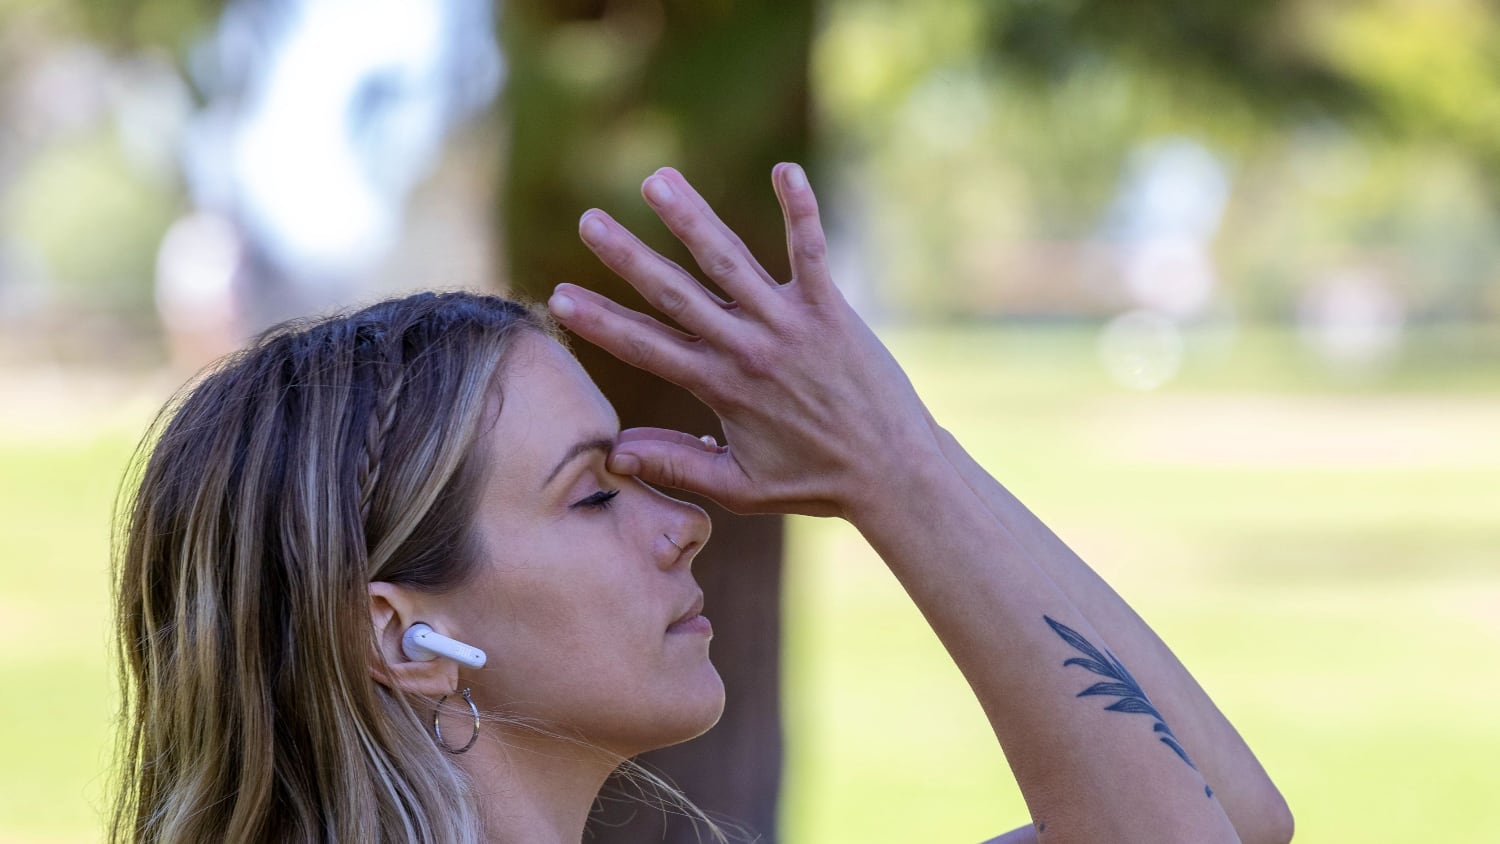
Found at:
[422, 643]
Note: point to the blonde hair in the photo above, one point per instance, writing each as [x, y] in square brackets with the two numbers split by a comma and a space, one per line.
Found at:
[327, 455]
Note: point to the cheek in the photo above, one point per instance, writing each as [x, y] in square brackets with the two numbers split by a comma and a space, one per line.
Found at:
[556, 636]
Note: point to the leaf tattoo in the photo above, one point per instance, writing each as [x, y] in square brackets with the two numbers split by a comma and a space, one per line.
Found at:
[1132, 698]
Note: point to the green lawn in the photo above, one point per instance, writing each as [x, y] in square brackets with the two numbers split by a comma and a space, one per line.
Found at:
[1323, 556]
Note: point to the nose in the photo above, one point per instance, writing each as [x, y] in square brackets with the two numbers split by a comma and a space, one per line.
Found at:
[685, 531]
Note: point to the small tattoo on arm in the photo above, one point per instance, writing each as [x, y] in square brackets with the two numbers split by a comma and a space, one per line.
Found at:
[1132, 698]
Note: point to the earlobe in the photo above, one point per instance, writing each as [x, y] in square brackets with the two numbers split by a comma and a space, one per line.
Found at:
[392, 611]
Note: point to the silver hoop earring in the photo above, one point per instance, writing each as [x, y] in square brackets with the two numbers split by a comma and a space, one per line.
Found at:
[437, 728]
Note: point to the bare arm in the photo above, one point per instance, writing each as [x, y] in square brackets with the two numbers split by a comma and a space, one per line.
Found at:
[1024, 835]
[821, 420]
[1087, 773]
[1249, 797]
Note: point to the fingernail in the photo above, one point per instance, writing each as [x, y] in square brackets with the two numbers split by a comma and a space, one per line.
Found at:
[795, 178]
[658, 191]
[624, 464]
[562, 306]
[591, 229]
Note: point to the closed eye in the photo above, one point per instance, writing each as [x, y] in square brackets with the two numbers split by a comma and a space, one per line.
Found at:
[600, 500]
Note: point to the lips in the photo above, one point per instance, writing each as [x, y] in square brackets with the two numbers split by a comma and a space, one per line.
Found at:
[691, 620]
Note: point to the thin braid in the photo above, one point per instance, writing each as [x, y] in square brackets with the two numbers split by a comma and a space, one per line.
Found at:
[388, 377]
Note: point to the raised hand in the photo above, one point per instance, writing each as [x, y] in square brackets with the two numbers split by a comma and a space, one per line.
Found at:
[818, 416]
[821, 420]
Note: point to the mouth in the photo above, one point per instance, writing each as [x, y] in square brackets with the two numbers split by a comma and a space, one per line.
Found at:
[692, 619]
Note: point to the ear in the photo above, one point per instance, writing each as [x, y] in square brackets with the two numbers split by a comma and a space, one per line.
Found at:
[392, 610]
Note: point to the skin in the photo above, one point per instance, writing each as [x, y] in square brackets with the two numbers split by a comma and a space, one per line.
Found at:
[819, 420]
[577, 573]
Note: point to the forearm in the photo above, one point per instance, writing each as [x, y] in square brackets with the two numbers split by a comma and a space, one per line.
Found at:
[816, 412]
[1239, 782]
[1087, 774]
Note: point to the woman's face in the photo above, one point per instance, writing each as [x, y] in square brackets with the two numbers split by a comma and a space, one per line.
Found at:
[579, 593]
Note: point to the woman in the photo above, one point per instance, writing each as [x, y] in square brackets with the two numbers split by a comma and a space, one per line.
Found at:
[443, 461]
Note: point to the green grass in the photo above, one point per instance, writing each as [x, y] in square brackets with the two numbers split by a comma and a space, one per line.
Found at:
[57, 695]
[1324, 556]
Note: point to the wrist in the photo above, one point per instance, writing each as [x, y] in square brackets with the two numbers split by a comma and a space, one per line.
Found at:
[893, 492]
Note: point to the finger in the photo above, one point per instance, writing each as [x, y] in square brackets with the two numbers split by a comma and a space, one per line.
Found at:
[668, 435]
[680, 466]
[807, 247]
[665, 285]
[724, 261]
[600, 300]
[696, 199]
[632, 337]
[719, 300]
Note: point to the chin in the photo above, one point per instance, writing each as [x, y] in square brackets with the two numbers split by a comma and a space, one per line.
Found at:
[681, 711]
[682, 705]
[696, 709]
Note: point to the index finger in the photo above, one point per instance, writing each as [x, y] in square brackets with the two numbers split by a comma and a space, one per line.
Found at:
[630, 336]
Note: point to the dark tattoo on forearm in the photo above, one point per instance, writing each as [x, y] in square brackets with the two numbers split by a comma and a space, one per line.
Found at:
[1132, 698]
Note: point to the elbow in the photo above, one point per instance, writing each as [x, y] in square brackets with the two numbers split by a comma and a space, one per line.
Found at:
[1275, 825]
[1285, 824]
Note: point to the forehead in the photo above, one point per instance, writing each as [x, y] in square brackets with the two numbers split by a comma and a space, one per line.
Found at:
[548, 403]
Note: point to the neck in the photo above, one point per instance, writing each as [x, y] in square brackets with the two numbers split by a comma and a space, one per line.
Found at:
[534, 788]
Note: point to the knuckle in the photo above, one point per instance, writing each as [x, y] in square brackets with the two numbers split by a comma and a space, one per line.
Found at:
[620, 256]
[671, 301]
[639, 353]
[672, 473]
[757, 362]
[812, 247]
[677, 216]
[720, 263]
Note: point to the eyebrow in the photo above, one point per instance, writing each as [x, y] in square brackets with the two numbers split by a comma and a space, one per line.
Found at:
[601, 444]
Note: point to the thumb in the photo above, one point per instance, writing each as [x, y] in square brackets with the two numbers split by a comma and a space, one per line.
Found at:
[712, 473]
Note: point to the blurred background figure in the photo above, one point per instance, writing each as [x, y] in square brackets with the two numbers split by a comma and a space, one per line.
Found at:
[1166, 217]
[1353, 320]
[320, 117]
[1215, 285]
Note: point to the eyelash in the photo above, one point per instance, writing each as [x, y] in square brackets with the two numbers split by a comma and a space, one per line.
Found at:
[601, 500]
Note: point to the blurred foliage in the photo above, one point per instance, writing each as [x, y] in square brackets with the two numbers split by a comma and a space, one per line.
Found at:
[97, 252]
[1256, 53]
[1425, 70]
[979, 145]
[983, 144]
[124, 25]
[977, 148]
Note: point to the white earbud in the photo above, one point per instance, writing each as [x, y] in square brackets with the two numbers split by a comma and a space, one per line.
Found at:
[422, 643]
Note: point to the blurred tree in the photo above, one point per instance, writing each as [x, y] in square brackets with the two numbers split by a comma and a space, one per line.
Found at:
[1416, 70]
[600, 95]
[995, 102]
[986, 140]
[124, 25]
[1251, 51]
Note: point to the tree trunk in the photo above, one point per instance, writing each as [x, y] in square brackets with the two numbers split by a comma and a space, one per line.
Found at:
[600, 95]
